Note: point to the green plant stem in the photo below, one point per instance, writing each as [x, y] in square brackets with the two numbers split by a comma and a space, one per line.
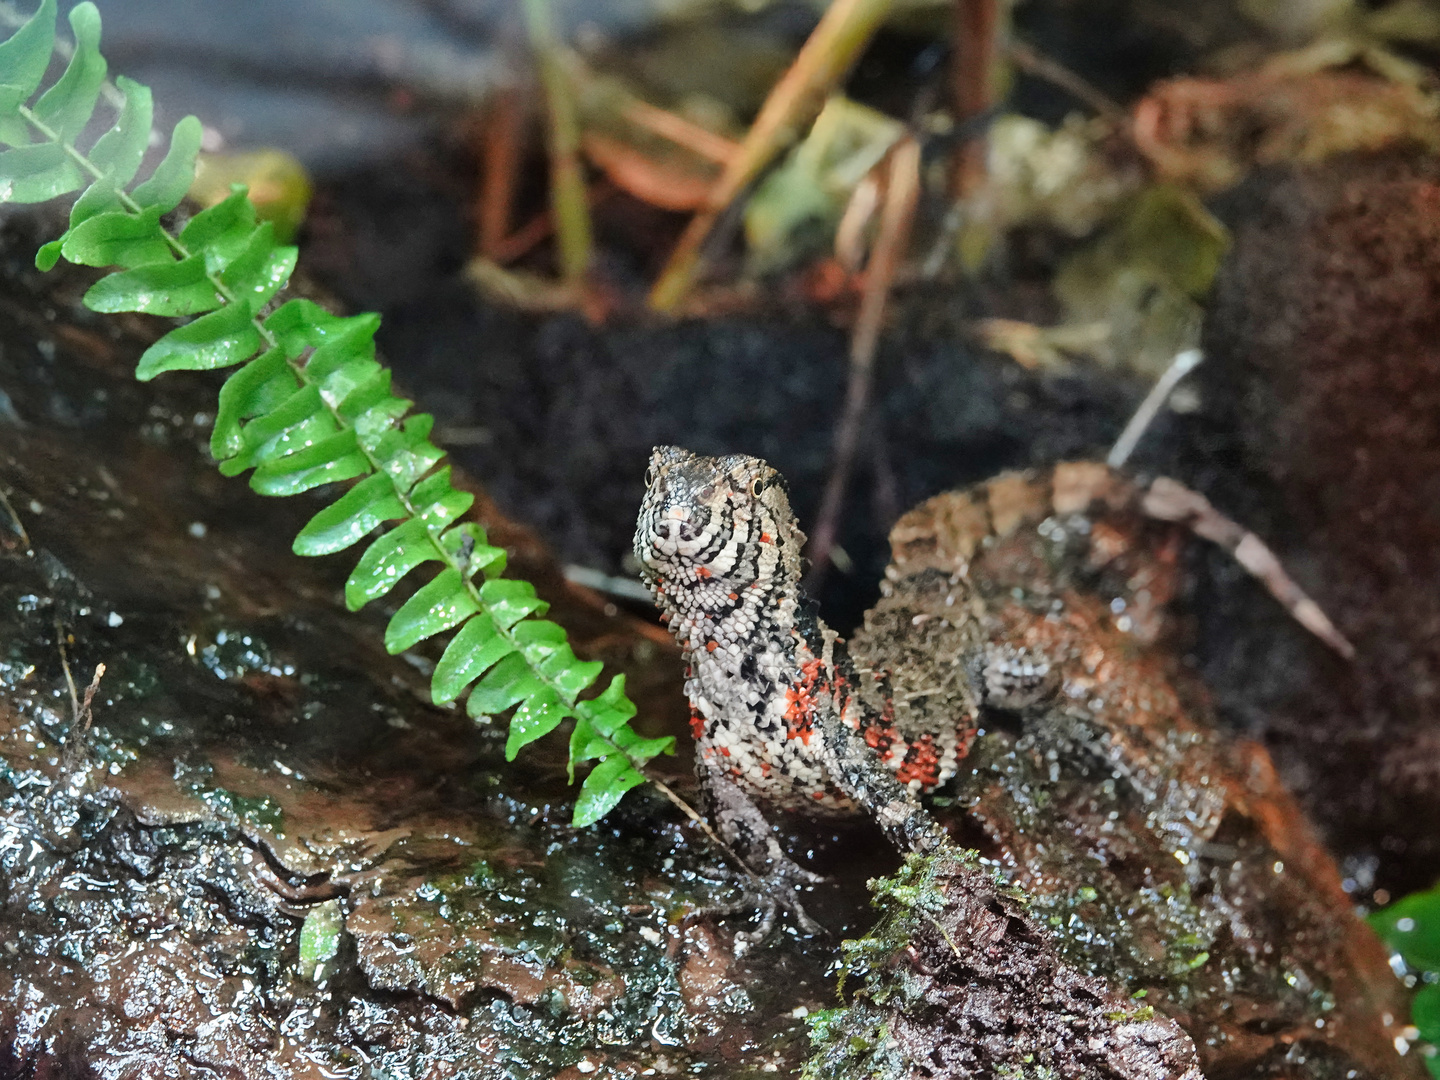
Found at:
[298, 370]
[568, 200]
[843, 31]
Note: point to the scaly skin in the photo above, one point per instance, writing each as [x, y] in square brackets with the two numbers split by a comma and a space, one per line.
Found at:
[781, 719]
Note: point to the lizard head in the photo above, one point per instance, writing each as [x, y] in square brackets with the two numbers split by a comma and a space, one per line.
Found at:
[715, 525]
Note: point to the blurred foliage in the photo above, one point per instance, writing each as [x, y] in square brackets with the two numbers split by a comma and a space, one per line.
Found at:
[798, 206]
[1411, 927]
[277, 182]
[1144, 277]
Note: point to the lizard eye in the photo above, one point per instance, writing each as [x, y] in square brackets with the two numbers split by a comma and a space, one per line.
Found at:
[650, 476]
[756, 487]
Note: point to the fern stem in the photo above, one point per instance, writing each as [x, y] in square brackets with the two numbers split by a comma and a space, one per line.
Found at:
[298, 370]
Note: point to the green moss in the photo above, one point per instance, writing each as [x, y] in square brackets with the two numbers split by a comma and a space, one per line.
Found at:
[854, 1040]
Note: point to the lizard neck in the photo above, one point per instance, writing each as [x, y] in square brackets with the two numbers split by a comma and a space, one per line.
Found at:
[757, 653]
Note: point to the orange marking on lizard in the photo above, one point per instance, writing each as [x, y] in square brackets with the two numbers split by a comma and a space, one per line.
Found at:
[921, 763]
[801, 702]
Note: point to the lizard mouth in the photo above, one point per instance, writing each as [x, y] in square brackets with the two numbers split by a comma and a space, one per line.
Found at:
[672, 537]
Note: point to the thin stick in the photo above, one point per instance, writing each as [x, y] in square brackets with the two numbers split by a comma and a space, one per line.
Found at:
[690, 812]
[974, 82]
[568, 199]
[539, 227]
[69, 679]
[83, 716]
[1169, 500]
[15, 520]
[500, 140]
[681, 132]
[901, 196]
[843, 31]
[1184, 363]
[1044, 67]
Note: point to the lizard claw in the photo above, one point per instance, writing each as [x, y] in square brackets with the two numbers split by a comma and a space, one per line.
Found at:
[767, 895]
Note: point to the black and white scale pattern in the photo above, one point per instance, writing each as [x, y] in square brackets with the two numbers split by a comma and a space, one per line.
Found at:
[720, 548]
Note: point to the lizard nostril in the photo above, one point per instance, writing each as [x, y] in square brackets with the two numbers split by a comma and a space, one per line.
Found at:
[662, 530]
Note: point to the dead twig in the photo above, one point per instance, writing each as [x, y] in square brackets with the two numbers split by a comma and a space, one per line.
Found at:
[1036, 63]
[1184, 363]
[794, 101]
[539, 228]
[901, 196]
[81, 715]
[975, 79]
[17, 525]
[501, 138]
[1169, 500]
[704, 826]
[698, 140]
[60, 636]
[646, 178]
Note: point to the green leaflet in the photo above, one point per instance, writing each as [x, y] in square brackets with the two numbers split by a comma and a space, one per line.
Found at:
[472, 652]
[308, 406]
[174, 175]
[510, 601]
[548, 652]
[295, 420]
[222, 229]
[116, 238]
[257, 388]
[334, 457]
[30, 174]
[466, 545]
[66, 107]
[259, 270]
[386, 561]
[24, 58]
[609, 711]
[586, 745]
[540, 713]
[1411, 927]
[604, 788]
[508, 682]
[216, 340]
[163, 288]
[120, 150]
[441, 604]
[350, 517]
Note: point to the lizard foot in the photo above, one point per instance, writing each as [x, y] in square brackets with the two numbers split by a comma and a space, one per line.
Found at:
[767, 896]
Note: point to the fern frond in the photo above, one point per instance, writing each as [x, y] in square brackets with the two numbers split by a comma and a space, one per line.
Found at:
[309, 406]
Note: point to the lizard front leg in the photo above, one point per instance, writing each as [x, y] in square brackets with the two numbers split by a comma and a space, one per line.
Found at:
[856, 771]
[744, 828]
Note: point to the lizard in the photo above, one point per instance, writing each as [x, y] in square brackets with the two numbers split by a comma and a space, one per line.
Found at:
[783, 720]
[1011, 646]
